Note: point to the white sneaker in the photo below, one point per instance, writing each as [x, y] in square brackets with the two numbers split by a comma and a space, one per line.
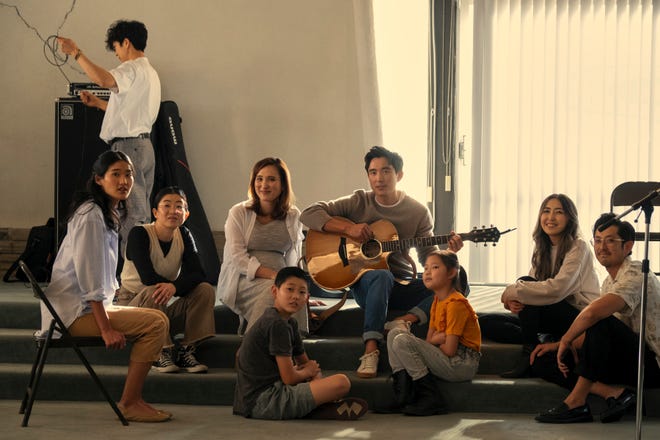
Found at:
[368, 365]
[397, 323]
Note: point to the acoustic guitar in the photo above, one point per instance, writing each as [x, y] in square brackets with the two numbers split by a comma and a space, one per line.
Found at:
[335, 261]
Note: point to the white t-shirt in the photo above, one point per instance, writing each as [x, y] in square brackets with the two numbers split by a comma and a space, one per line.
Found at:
[134, 103]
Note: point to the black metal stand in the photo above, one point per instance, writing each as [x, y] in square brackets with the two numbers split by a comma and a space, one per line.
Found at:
[647, 208]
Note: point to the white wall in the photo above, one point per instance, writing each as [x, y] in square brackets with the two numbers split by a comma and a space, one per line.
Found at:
[290, 78]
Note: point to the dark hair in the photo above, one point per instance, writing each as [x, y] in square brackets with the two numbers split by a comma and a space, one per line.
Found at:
[135, 31]
[541, 260]
[286, 198]
[95, 192]
[624, 229]
[450, 260]
[168, 190]
[393, 158]
[288, 272]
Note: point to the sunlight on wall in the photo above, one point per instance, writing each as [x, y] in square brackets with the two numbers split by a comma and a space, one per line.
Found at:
[401, 35]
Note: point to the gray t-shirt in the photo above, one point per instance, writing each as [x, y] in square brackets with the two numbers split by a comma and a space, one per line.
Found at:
[256, 365]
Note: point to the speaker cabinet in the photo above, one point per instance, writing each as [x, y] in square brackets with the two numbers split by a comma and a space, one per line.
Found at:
[77, 145]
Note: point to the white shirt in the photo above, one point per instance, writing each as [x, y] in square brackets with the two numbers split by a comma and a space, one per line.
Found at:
[576, 282]
[628, 286]
[134, 103]
[84, 269]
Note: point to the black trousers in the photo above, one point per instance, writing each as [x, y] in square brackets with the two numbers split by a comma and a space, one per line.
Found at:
[552, 319]
[610, 355]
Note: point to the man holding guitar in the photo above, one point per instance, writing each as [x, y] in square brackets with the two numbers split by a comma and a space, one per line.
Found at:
[351, 217]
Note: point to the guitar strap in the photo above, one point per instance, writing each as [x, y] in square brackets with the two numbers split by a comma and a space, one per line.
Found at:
[317, 320]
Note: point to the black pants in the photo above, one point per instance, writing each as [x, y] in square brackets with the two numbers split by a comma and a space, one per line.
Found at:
[553, 319]
[610, 355]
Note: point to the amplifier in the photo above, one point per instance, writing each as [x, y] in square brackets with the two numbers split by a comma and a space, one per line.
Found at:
[77, 145]
[75, 88]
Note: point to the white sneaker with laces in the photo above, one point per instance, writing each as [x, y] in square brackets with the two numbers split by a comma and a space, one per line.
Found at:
[368, 365]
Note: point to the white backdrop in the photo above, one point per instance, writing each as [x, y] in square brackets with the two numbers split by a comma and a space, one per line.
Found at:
[291, 78]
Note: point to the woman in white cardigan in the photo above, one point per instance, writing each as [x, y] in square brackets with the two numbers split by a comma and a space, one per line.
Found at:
[262, 235]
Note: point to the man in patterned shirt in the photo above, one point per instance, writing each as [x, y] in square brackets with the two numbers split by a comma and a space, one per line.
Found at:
[608, 330]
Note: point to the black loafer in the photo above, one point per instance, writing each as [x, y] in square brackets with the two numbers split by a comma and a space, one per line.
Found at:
[616, 408]
[562, 414]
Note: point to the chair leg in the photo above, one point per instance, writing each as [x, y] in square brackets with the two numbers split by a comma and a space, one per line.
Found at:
[31, 391]
[99, 384]
[31, 381]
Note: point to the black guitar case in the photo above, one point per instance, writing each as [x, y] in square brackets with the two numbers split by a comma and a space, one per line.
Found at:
[172, 170]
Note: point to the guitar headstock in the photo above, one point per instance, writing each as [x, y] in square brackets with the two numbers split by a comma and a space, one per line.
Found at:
[484, 235]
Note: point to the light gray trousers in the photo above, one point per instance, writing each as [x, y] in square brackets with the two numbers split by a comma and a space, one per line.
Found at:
[418, 357]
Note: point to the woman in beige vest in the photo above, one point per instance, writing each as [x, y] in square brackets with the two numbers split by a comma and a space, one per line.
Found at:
[162, 263]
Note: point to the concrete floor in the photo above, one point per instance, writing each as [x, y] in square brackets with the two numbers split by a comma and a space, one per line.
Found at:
[94, 420]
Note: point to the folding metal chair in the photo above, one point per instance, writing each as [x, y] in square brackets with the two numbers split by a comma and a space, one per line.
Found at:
[65, 341]
[628, 193]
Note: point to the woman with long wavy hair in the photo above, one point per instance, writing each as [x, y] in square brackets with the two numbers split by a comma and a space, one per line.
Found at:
[561, 282]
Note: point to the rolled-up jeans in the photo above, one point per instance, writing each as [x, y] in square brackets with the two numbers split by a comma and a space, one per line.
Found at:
[372, 294]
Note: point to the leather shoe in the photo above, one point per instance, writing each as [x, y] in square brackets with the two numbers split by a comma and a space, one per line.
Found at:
[617, 407]
[562, 414]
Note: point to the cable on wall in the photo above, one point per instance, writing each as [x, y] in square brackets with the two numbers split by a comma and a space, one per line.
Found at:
[50, 46]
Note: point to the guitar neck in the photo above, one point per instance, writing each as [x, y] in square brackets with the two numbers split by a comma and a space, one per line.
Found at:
[407, 243]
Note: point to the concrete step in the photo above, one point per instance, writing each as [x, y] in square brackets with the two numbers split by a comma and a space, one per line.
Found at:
[72, 382]
[338, 353]
[25, 313]
[337, 347]
[485, 393]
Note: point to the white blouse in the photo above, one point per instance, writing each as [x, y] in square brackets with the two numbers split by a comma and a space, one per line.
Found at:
[236, 261]
[84, 269]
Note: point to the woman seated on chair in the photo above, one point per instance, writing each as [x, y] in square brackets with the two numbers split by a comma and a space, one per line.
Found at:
[263, 235]
[84, 282]
[162, 263]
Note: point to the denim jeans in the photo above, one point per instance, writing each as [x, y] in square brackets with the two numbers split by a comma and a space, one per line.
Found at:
[372, 294]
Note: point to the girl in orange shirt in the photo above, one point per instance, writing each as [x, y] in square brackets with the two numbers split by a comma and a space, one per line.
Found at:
[451, 350]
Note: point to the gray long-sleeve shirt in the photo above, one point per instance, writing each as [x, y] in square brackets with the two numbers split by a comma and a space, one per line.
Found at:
[410, 218]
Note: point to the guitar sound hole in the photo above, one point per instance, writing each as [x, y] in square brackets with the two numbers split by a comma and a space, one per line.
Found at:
[371, 249]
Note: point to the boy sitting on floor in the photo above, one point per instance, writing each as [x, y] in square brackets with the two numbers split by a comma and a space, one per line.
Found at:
[276, 380]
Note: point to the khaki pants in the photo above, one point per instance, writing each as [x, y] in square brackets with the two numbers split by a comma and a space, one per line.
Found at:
[191, 314]
[147, 329]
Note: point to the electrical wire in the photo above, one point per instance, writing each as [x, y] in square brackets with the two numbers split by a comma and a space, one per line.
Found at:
[53, 57]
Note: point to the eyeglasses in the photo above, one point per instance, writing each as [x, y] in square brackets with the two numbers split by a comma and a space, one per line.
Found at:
[176, 208]
[609, 241]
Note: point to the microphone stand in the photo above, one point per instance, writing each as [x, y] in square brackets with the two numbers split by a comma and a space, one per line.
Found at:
[647, 207]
